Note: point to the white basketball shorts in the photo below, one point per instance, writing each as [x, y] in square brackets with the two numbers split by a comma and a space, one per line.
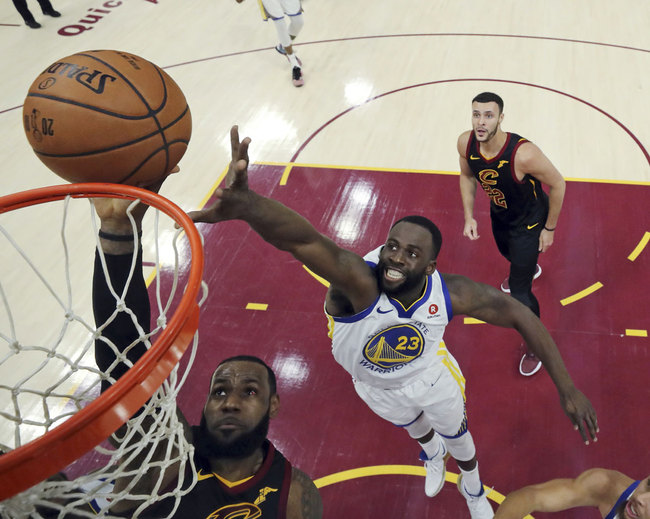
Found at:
[439, 394]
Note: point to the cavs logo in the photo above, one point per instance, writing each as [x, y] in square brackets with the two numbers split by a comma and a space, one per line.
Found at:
[488, 180]
[243, 510]
[238, 511]
[394, 346]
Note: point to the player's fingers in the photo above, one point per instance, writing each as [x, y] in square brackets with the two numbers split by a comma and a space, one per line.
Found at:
[200, 216]
[243, 148]
[592, 424]
[581, 429]
[234, 141]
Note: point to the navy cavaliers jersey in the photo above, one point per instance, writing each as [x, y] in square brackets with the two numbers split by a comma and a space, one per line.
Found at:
[262, 496]
[513, 202]
[627, 493]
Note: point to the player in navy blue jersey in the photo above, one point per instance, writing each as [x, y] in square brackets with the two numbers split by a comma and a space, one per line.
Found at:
[511, 171]
[239, 471]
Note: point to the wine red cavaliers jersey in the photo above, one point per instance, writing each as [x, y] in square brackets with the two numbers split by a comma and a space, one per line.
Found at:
[512, 202]
[263, 496]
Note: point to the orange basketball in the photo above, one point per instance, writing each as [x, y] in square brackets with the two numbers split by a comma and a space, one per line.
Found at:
[107, 116]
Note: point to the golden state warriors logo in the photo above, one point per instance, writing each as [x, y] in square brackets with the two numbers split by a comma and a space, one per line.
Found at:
[394, 346]
[238, 511]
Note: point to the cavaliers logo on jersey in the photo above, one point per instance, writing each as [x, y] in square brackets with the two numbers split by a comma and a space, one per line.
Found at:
[393, 346]
[238, 511]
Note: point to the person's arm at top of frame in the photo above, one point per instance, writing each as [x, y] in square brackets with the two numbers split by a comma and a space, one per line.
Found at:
[467, 188]
[304, 499]
[530, 160]
[595, 487]
[492, 306]
[288, 231]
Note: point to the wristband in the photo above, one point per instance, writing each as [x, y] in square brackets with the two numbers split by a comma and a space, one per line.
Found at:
[546, 228]
[117, 237]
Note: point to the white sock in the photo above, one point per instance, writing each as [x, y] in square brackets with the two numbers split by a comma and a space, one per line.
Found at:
[433, 447]
[293, 60]
[472, 481]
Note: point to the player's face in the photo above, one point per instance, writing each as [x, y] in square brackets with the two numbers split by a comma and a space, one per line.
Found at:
[485, 120]
[239, 401]
[405, 260]
[638, 506]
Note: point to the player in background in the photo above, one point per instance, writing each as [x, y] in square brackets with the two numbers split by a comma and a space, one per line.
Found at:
[511, 171]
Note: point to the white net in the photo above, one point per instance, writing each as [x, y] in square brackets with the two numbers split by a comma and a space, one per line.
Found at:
[48, 371]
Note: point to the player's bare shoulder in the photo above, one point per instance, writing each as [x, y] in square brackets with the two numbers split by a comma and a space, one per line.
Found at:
[304, 499]
[527, 156]
[463, 140]
[604, 486]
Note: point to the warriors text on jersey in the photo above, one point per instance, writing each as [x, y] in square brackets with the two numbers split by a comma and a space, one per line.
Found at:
[386, 344]
[512, 201]
[262, 496]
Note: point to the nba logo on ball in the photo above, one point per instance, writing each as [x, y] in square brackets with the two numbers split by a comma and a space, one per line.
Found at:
[107, 116]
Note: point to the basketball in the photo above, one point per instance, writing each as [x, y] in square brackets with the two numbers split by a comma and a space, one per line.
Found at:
[107, 116]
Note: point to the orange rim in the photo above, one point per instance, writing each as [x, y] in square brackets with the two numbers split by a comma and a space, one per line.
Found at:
[39, 459]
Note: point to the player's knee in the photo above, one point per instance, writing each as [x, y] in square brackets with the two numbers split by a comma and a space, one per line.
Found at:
[418, 428]
[295, 24]
[462, 447]
[283, 32]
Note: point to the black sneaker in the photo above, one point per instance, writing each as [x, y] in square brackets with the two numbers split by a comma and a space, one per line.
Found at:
[33, 24]
[297, 77]
[52, 13]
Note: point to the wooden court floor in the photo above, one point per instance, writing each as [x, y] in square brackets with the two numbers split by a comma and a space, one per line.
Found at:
[371, 137]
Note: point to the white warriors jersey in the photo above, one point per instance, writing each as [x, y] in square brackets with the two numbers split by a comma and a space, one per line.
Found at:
[386, 344]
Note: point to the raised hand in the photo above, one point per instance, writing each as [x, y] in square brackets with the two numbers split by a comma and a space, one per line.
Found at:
[233, 199]
[113, 211]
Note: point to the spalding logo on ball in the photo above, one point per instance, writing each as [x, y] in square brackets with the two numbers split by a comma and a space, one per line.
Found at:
[107, 116]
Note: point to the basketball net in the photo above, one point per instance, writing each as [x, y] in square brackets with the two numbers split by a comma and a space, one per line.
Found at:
[50, 402]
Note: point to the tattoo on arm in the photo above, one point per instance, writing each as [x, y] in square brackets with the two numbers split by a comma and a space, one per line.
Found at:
[311, 505]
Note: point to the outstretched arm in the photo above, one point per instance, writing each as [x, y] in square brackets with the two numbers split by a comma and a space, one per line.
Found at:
[122, 332]
[596, 487]
[491, 306]
[304, 500]
[288, 231]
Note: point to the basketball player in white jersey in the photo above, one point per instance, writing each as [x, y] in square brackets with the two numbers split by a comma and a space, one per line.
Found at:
[387, 314]
[616, 496]
[276, 11]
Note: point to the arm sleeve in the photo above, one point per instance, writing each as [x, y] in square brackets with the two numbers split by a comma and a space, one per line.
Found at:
[121, 331]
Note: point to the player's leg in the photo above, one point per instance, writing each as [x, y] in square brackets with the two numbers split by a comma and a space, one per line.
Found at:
[293, 9]
[397, 407]
[23, 10]
[47, 8]
[524, 253]
[501, 234]
[433, 454]
[449, 418]
[276, 10]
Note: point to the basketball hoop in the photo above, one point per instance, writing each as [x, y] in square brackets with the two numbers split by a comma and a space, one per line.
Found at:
[43, 457]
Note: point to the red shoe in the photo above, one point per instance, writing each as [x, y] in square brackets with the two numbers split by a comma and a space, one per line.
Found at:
[529, 364]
